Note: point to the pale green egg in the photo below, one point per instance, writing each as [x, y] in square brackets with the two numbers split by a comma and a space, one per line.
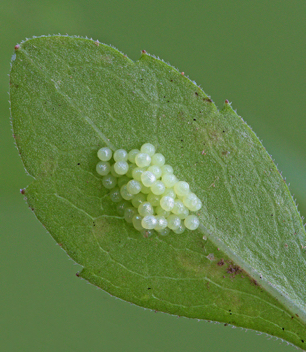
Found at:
[115, 195]
[132, 154]
[148, 148]
[156, 170]
[180, 229]
[122, 206]
[142, 160]
[161, 223]
[169, 180]
[129, 214]
[158, 159]
[120, 155]
[125, 194]
[137, 172]
[164, 232]
[167, 203]
[192, 222]
[158, 187]
[105, 154]
[113, 172]
[174, 222]
[130, 170]
[137, 222]
[103, 168]
[149, 222]
[153, 199]
[178, 207]
[148, 178]
[170, 192]
[123, 180]
[133, 187]
[167, 169]
[145, 190]
[162, 212]
[109, 181]
[145, 209]
[138, 199]
[181, 188]
[121, 167]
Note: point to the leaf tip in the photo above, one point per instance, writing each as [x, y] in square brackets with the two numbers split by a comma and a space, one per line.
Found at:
[22, 191]
[17, 47]
[143, 52]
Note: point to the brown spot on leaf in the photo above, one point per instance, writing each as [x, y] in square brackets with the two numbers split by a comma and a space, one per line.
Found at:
[233, 269]
[207, 99]
[221, 262]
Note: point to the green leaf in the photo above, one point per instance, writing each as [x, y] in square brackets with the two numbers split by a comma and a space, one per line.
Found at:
[244, 266]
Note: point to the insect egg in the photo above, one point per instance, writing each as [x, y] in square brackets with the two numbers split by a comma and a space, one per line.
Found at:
[149, 222]
[115, 195]
[165, 231]
[162, 212]
[105, 154]
[145, 190]
[137, 222]
[147, 193]
[179, 230]
[169, 180]
[158, 187]
[109, 181]
[167, 169]
[130, 170]
[137, 172]
[181, 188]
[138, 199]
[174, 222]
[103, 168]
[167, 203]
[125, 194]
[158, 159]
[153, 199]
[120, 155]
[122, 181]
[132, 154]
[192, 222]
[145, 209]
[113, 172]
[148, 148]
[133, 187]
[129, 213]
[178, 207]
[142, 160]
[170, 192]
[148, 178]
[155, 170]
[161, 223]
[121, 167]
[121, 207]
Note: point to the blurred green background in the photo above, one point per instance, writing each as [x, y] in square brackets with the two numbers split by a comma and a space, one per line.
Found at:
[250, 52]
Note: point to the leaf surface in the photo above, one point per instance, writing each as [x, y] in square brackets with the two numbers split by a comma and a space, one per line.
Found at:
[244, 266]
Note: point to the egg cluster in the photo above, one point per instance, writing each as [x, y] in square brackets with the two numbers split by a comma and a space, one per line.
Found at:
[148, 194]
